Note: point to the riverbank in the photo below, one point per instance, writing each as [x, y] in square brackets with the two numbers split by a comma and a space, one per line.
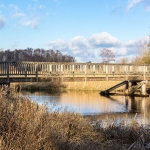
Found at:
[40, 86]
[63, 86]
[26, 125]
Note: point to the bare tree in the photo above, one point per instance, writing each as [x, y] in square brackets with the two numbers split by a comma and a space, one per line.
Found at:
[107, 55]
[143, 53]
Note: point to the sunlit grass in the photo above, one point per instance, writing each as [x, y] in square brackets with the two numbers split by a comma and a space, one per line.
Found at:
[46, 86]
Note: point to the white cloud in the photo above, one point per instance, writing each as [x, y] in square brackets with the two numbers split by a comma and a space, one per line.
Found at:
[25, 19]
[2, 22]
[119, 51]
[104, 39]
[29, 22]
[79, 45]
[18, 14]
[144, 3]
[134, 47]
[16, 11]
[132, 3]
[58, 44]
[88, 49]
[131, 43]
[137, 42]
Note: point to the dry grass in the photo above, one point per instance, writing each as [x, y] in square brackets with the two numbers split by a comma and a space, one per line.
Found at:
[124, 133]
[46, 86]
[26, 126]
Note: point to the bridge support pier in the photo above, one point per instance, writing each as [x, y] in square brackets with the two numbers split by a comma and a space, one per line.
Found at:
[132, 90]
[143, 89]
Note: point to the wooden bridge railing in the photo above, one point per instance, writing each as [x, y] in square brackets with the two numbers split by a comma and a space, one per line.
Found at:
[51, 68]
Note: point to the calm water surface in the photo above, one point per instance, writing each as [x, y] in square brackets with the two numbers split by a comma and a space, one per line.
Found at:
[89, 103]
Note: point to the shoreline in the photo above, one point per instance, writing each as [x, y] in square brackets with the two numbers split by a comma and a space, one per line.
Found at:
[64, 86]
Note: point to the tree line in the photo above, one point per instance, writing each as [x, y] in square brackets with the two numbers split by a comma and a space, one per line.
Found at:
[34, 55]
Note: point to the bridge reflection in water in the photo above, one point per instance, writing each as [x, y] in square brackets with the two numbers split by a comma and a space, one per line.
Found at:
[91, 103]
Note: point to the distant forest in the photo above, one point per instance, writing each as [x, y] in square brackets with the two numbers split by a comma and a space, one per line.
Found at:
[35, 55]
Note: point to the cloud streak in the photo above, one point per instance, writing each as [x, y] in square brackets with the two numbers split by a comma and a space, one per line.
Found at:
[33, 23]
[24, 19]
[2, 22]
[17, 13]
[132, 3]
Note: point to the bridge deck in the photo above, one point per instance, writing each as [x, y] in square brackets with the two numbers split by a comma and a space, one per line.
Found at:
[33, 71]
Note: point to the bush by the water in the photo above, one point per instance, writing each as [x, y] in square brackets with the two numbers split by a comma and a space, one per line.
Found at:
[25, 125]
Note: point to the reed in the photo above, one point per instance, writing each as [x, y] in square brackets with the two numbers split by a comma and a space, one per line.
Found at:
[121, 131]
[24, 125]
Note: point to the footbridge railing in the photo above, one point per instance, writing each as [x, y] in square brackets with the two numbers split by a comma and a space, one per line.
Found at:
[52, 68]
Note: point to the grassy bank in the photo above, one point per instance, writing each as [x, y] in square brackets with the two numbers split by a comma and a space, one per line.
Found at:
[41, 86]
[67, 85]
[64, 86]
[25, 125]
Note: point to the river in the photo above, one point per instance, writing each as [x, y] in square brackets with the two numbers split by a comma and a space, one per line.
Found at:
[93, 104]
[90, 103]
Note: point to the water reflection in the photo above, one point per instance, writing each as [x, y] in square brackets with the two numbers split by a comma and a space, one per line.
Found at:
[91, 102]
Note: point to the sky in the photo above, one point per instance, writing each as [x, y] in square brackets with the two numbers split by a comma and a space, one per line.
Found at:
[80, 28]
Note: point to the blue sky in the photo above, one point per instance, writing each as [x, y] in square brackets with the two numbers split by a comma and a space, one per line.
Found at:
[80, 28]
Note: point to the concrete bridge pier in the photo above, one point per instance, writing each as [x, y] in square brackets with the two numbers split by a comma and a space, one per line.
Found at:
[143, 88]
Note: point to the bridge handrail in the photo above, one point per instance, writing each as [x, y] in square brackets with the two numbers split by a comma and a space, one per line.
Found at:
[31, 68]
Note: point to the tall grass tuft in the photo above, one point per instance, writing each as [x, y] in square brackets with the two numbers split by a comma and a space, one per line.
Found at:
[118, 134]
[25, 125]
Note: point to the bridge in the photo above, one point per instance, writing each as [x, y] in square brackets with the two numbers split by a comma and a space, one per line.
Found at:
[64, 72]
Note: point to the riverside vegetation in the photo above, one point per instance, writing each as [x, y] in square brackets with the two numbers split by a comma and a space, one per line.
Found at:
[25, 125]
[43, 86]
